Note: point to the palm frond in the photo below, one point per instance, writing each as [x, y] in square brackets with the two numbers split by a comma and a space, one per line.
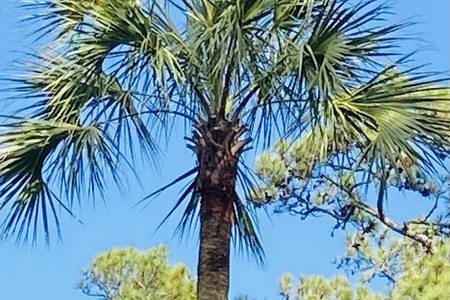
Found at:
[80, 88]
[117, 72]
[32, 154]
[172, 183]
[117, 43]
[402, 113]
[246, 230]
[346, 46]
[395, 120]
[35, 206]
[190, 217]
[85, 161]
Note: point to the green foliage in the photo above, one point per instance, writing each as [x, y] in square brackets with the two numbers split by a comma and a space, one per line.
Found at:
[326, 172]
[329, 149]
[427, 277]
[305, 69]
[116, 75]
[129, 274]
[320, 288]
[414, 271]
[411, 271]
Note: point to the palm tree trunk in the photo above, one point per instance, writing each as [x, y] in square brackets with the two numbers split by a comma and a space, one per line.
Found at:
[214, 256]
[218, 151]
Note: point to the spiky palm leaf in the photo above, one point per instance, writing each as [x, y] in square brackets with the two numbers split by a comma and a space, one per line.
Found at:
[278, 67]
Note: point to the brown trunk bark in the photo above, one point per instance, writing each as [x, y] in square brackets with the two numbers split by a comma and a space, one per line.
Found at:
[218, 151]
[214, 256]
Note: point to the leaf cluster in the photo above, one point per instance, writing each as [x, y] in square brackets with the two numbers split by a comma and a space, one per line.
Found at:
[119, 74]
[130, 274]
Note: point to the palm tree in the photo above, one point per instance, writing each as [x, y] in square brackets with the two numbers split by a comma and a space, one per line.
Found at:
[118, 73]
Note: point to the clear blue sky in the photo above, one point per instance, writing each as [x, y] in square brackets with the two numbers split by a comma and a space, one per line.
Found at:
[51, 273]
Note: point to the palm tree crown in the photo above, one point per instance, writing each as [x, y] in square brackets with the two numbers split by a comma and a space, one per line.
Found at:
[116, 73]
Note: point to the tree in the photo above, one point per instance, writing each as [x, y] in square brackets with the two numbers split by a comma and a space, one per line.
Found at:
[415, 266]
[411, 271]
[129, 274]
[317, 287]
[117, 74]
[311, 177]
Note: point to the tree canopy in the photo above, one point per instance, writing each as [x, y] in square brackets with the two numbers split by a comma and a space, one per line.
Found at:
[115, 76]
[405, 268]
[311, 177]
[322, 71]
[130, 274]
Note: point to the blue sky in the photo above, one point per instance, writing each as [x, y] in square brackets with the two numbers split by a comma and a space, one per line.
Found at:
[51, 273]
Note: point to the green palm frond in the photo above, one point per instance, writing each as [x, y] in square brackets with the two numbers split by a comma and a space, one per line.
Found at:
[324, 49]
[25, 146]
[119, 73]
[391, 114]
[128, 41]
[68, 92]
[66, 16]
[35, 153]
[245, 221]
[392, 122]
[344, 49]
[88, 104]
[86, 159]
[34, 205]
[246, 232]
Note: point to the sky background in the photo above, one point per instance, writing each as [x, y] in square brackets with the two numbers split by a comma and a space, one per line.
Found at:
[302, 247]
